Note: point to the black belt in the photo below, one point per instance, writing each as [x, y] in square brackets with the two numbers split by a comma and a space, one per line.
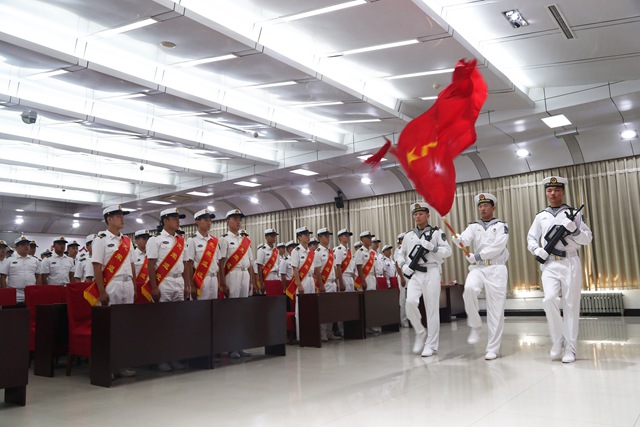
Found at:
[421, 269]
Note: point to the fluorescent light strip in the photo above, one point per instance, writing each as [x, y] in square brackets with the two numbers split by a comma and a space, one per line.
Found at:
[321, 11]
[421, 74]
[373, 48]
[158, 202]
[203, 61]
[47, 74]
[247, 184]
[556, 121]
[123, 29]
[429, 98]
[316, 104]
[356, 121]
[304, 172]
[366, 157]
[268, 85]
[200, 193]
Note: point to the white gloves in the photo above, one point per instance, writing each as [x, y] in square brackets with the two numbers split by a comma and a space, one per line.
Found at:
[427, 245]
[406, 270]
[455, 240]
[569, 225]
[541, 253]
[471, 258]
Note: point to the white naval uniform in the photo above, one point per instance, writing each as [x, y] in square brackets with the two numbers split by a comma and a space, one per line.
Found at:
[361, 258]
[425, 284]
[319, 261]
[20, 272]
[58, 269]
[488, 242]
[560, 276]
[238, 280]
[84, 268]
[172, 287]
[285, 268]
[120, 289]
[138, 259]
[378, 265]
[402, 297]
[348, 274]
[264, 253]
[388, 268]
[196, 246]
[298, 257]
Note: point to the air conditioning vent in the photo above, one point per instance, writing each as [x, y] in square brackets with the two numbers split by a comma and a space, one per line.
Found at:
[562, 23]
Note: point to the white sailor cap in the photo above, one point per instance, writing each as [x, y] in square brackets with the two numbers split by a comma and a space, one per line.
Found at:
[418, 207]
[313, 240]
[302, 230]
[281, 245]
[21, 240]
[367, 234]
[271, 231]
[243, 232]
[89, 239]
[114, 209]
[234, 212]
[33, 243]
[344, 231]
[291, 243]
[180, 231]
[357, 245]
[400, 237]
[376, 240]
[555, 181]
[172, 212]
[385, 247]
[202, 213]
[324, 230]
[485, 198]
[74, 243]
[60, 239]
[142, 233]
[3, 243]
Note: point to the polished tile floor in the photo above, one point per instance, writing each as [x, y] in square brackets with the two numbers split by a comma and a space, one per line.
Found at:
[375, 382]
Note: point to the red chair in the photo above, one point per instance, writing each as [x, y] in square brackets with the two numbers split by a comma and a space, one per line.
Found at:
[41, 295]
[381, 283]
[273, 288]
[393, 281]
[79, 313]
[8, 296]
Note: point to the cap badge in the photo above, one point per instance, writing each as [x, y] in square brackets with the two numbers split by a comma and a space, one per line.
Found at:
[554, 180]
[482, 197]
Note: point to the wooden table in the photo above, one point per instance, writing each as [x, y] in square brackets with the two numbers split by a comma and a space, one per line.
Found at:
[315, 309]
[14, 354]
[382, 308]
[52, 337]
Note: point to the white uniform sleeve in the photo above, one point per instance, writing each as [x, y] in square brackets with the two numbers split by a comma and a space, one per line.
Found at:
[499, 243]
[468, 235]
[533, 236]
[97, 249]
[44, 267]
[152, 247]
[583, 235]
[442, 249]
[191, 250]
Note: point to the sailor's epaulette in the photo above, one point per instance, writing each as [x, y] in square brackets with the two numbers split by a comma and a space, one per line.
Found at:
[102, 234]
[225, 234]
[318, 250]
[297, 248]
[261, 246]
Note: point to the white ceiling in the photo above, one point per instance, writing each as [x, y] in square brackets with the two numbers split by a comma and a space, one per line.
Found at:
[131, 120]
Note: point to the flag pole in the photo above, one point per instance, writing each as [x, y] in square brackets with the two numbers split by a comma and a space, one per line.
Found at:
[464, 249]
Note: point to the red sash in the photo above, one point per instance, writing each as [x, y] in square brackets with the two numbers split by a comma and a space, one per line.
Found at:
[205, 263]
[304, 270]
[237, 255]
[166, 265]
[92, 294]
[366, 269]
[266, 269]
[346, 261]
[326, 270]
[142, 280]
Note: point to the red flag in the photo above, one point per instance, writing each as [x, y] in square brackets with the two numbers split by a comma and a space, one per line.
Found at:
[429, 143]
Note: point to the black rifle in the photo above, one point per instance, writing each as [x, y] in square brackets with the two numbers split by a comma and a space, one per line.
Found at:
[556, 234]
[419, 253]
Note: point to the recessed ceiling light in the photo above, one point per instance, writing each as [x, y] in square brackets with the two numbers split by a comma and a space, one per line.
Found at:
[200, 193]
[305, 172]
[76, 215]
[254, 200]
[365, 180]
[420, 74]
[356, 121]
[76, 220]
[305, 191]
[429, 98]
[47, 74]
[522, 152]
[119, 30]
[19, 210]
[168, 44]
[629, 134]
[211, 208]
[321, 11]
[366, 157]
[140, 220]
[247, 184]
[316, 104]
[158, 202]
[204, 61]
[373, 48]
[515, 18]
[19, 220]
[556, 121]
[75, 225]
[268, 85]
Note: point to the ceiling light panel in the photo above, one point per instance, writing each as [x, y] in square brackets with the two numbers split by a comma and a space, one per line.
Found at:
[373, 48]
[321, 11]
[304, 172]
[556, 121]
[247, 184]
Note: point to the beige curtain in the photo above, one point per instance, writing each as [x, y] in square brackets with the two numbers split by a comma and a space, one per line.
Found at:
[610, 191]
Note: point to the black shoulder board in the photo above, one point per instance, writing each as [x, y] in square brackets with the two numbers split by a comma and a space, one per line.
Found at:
[297, 248]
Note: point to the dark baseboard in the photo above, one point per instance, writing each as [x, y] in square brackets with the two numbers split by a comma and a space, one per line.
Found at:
[631, 312]
[530, 312]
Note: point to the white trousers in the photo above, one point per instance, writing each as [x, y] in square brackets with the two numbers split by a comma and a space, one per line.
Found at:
[171, 289]
[493, 278]
[209, 288]
[309, 287]
[347, 279]
[238, 283]
[426, 285]
[370, 280]
[563, 277]
[402, 299]
[120, 291]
